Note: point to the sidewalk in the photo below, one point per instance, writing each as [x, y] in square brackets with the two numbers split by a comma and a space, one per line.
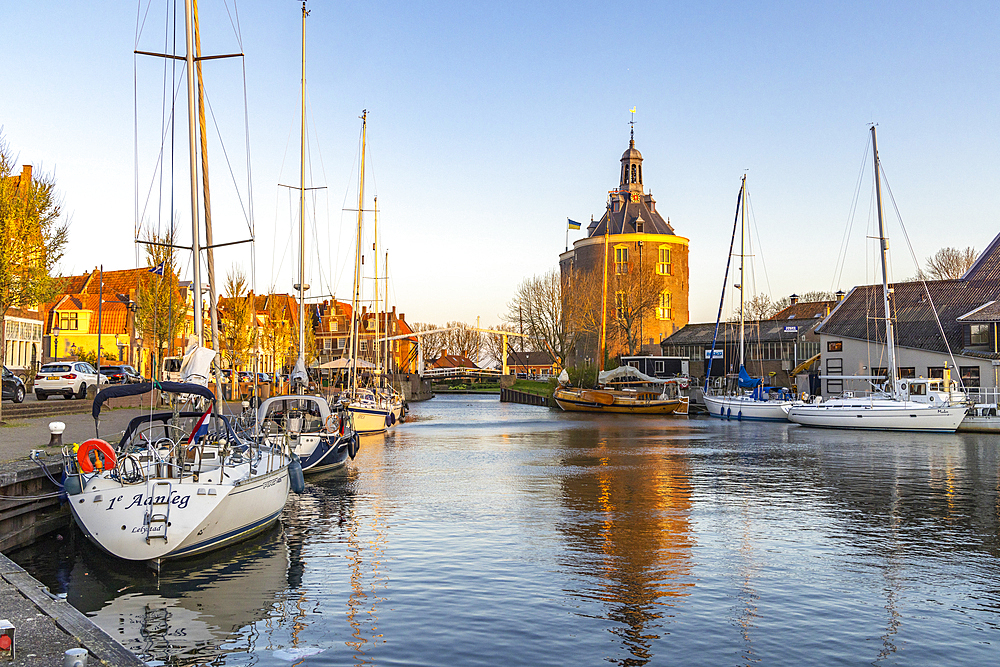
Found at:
[18, 438]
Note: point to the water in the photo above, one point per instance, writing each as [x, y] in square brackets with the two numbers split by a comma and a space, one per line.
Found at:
[483, 533]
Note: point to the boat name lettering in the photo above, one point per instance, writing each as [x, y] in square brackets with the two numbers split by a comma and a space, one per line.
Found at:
[140, 500]
[271, 482]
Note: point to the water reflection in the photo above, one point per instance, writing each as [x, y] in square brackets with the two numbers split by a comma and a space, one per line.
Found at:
[628, 525]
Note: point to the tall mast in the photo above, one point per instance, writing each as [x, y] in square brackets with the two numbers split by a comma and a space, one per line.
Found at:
[376, 355]
[743, 221]
[604, 294]
[213, 312]
[890, 342]
[385, 310]
[301, 362]
[195, 232]
[356, 297]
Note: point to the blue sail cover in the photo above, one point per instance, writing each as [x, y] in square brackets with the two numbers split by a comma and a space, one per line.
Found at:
[747, 382]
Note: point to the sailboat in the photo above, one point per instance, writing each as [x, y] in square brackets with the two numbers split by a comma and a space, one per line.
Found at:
[903, 404]
[319, 434]
[370, 411]
[750, 401]
[177, 484]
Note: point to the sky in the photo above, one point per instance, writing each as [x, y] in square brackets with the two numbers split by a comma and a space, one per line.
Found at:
[490, 124]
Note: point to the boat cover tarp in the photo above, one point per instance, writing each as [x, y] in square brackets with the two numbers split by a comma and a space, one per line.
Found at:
[120, 390]
[197, 364]
[747, 382]
[627, 371]
[346, 363]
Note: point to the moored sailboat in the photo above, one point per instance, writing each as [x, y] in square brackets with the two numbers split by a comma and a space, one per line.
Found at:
[750, 400]
[901, 404]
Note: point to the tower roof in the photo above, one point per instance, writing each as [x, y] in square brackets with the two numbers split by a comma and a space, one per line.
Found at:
[632, 211]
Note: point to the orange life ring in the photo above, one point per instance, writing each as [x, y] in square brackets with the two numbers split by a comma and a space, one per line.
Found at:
[106, 461]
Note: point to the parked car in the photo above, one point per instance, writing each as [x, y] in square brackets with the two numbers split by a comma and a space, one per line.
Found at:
[66, 378]
[120, 374]
[13, 386]
[246, 376]
[263, 378]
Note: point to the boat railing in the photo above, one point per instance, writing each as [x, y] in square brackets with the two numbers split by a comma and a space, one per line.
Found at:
[983, 394]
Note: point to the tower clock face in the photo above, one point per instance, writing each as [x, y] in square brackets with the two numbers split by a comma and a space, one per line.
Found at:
[635, 197]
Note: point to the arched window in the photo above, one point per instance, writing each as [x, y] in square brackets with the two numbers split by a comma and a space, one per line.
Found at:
[640, 174]
[633, 173]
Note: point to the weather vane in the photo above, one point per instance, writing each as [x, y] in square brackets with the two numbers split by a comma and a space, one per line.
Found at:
[632, 123]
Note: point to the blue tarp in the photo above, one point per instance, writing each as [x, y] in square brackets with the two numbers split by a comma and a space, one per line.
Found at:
[747, 382]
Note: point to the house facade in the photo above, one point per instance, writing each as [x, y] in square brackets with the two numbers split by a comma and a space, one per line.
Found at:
[852, 338]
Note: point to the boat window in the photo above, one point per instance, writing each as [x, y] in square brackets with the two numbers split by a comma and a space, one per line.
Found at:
[918, 389]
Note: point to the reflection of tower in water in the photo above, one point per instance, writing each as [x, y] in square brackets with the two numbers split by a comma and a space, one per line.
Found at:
[629, 531]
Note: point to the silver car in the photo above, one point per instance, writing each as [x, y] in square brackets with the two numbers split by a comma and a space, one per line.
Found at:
[66, 378]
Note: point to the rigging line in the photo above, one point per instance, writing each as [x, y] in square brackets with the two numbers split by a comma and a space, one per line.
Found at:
[838, 270]
[927, 291]
[159, 167]
[236, 24]
[274, 226]
[229, 165]
[760, 246]
[140, 21]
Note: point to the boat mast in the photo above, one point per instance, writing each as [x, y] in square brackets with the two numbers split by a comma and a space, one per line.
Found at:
[743, 221]
[604, 293]
[356, 297]
[375, 340]
[195, 231]
[890, 342]
[213, 306]
[385, 310]
[301, 361]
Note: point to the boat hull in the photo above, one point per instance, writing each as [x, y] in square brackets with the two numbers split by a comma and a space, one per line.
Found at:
[368, 419]
[114, 516]
[980, 425]
[746, 409]
[595, 400]
[878, 416]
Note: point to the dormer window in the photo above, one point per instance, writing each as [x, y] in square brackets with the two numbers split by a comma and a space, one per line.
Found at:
[979, 334]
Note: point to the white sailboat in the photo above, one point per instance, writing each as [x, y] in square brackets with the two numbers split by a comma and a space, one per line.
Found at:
[319, 434]
[177, 484]
[749, 401]
[906, 404]
[369, 409]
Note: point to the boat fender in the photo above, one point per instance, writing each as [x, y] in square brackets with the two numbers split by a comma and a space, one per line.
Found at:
[105, 458]
[73, 484]
[296, 479]
[805, 396]
[353, 445]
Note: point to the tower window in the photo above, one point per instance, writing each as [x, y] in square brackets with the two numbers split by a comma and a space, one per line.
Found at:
[640, 174]
[633, 173]
[664, 267]
[621, 259]
[665, 310]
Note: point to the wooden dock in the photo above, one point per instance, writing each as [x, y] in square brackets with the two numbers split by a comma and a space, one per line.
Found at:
[522, 397]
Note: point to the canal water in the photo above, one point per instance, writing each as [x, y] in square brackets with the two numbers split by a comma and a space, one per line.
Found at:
[482, 533]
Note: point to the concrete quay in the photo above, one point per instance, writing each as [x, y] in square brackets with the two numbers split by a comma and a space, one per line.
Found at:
[47, 626]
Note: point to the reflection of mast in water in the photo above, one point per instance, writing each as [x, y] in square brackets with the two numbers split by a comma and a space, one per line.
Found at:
[366, 557]
[631, 529]
[890, 570]
[748, 597]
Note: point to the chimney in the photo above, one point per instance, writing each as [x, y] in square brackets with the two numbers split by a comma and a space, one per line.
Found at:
[840, 295]
[793, 299]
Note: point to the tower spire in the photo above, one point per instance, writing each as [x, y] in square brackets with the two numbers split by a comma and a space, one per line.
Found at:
[631, 140]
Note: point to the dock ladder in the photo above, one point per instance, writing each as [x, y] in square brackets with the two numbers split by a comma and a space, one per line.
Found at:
[158, 514]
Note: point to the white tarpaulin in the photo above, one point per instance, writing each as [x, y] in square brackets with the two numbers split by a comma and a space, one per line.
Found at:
[346, 363]
[627, 371]
[197, 364]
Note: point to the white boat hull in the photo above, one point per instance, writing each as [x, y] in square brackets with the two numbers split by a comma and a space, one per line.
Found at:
[368, 419]
[980, 425]
[878, 415]
[745, 408]
[203, 515]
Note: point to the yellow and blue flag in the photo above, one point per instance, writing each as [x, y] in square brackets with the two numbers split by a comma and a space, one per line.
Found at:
[573, 224]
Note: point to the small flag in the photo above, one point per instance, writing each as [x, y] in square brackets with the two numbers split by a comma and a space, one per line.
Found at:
[573, 224]
[632, 110]
[158, 269]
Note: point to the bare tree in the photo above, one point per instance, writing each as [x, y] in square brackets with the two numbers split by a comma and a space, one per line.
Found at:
[493, 343]
[463, 339]
[431, 344]
[541, 311]
[636, 295]
[948, 263]
[161, 312]
[32, 239]
[276, 338]
[237, 319]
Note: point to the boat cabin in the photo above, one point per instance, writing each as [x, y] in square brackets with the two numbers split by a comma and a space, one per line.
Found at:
[928, 390]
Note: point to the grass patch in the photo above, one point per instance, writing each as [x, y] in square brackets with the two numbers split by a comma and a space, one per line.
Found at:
[536, 387]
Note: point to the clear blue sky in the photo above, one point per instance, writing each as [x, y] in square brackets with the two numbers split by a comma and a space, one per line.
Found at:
[490, 124]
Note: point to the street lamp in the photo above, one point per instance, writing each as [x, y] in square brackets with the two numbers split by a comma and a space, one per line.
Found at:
[55, 334]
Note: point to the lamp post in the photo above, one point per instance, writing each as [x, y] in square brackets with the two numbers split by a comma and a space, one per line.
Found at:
[55, 351]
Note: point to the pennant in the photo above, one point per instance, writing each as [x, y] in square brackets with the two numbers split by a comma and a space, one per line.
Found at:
[573, 224]
[158, 269]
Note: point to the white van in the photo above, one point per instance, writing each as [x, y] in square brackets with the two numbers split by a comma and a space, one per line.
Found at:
[171, 369]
